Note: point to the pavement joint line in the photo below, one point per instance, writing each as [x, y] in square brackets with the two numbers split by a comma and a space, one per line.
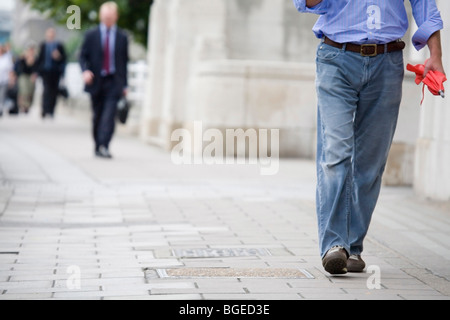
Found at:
[6, 206]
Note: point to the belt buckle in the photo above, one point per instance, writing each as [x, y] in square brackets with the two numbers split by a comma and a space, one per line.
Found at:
[375, 49]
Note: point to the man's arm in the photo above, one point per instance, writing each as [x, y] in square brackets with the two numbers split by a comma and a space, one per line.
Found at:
[312, 3]
[88, 75]
[126, 58]
[63, 53]
[61, 57]
[84, 58]
[312, 6]
[40, 59]
[435, 61]
[428, 20]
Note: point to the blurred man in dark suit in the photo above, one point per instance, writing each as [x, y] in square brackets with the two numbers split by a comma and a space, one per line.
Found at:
[51, 64]
[104, 59]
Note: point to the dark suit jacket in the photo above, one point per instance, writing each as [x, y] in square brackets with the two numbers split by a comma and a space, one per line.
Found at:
[57, 66]
[91, 58]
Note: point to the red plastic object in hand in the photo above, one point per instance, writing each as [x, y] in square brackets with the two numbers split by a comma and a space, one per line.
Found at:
[434, 80]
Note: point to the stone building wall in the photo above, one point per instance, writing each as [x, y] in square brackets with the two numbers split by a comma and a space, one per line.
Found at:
[232, 64]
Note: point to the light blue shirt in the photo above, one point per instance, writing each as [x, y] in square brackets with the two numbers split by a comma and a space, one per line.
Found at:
[373, 21]
[49, 48]
[112, 46]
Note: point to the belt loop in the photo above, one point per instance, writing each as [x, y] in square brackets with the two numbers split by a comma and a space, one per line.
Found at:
[344, 47]
[385, 48]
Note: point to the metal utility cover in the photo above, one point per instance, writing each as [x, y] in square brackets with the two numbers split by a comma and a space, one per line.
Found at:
[220, 252]
[267, 273]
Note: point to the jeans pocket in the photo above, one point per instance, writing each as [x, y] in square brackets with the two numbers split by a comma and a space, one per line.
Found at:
[396, 57]
[327, 53]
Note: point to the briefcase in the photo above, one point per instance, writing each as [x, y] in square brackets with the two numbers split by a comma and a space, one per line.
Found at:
[63, 92]
[123, 109]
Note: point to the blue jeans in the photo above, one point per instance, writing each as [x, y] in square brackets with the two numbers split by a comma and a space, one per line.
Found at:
[358, 105]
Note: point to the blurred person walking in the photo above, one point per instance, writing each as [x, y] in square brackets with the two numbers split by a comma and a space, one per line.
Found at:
[6, 66]
[25, 70]
[51, 64]
[104, 59]
[11, 94]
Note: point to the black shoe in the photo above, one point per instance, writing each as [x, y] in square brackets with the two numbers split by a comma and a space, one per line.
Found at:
[103, 152]
[335, 261]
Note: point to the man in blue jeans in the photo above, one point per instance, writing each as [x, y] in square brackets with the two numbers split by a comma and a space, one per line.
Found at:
[360, 72]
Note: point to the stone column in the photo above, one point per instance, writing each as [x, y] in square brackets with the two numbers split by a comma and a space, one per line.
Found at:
[175, 30]
[158, 33]
[432, 169]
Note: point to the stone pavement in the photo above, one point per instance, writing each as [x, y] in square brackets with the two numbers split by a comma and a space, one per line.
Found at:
[139, 227]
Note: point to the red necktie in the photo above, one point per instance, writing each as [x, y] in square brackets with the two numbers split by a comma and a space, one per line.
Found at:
[106, 54]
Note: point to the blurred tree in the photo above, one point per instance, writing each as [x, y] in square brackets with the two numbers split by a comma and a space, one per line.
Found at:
[134, 14]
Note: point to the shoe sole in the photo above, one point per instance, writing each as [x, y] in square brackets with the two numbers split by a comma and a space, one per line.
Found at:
[336, 266]
[355, 271]
[99, 155]
[104, 157]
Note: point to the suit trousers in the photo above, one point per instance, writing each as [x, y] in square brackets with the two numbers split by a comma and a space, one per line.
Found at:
[50, 81]
[104, 107]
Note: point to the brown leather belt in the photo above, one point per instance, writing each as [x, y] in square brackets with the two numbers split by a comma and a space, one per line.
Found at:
[368, 50]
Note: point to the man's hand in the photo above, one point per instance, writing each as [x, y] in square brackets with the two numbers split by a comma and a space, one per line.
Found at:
[56, 55]
[88, 77]
[312, 3]
[434, 64]
[435, 61]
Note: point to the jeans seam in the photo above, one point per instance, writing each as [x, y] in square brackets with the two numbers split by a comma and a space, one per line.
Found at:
[354, 173]
[320, 175]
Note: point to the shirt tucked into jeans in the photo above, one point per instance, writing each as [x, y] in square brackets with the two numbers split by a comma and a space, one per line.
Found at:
[371, 21]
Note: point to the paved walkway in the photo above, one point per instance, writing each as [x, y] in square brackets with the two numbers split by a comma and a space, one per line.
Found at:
[76, 227]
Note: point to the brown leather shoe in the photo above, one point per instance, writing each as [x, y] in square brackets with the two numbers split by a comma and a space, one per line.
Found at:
[335, 261]
[355, 264]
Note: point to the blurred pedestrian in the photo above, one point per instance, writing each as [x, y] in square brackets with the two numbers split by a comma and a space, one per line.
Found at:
[25, 70]
[104, 59]
[6, 66]
[11, 94]
[51, 64]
